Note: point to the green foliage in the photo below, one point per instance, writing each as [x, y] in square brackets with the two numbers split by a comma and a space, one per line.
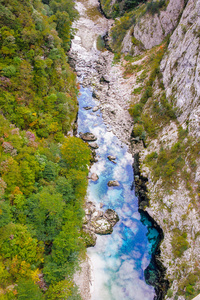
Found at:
[9, 71]
[73, 146]
[26, 289]
[153, 7]
[60, 290]
[159, 110]
[119, 7]
[100, 43]
[169, 293]
[179, 243]
[138, 130]
[118, 31]
[41, 191]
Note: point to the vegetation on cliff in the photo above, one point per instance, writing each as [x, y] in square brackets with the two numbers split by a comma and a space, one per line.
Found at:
[42, 186]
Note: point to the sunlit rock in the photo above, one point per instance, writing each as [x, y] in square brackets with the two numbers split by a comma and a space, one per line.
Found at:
[113, 183]
[95, 108]
[94, 177]
[112, 158]
[111, 216]
[93, 145]
[88, 136]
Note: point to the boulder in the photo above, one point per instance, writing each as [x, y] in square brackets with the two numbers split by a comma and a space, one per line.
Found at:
[113, 183]
[93, 145]
[87, 107]
[102, 226]
[95, 95]
[94, 177]
[95, 108]
[112, 158]
[111, 216]
[88, 136]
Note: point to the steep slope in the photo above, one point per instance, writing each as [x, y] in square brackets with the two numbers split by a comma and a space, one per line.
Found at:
[181, 68]
[165, 109]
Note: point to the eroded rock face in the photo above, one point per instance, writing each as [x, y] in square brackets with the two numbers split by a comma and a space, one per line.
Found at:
[181, 67]
[150, 30]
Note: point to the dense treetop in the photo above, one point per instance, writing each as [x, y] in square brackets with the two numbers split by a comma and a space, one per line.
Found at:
[41, 189]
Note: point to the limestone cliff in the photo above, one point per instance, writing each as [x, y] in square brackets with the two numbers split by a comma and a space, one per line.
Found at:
[166, 111]
[181, 68]
[149, 25]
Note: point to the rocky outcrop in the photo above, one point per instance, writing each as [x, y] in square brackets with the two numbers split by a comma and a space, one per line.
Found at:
[181, 68]
[152, 29]
[98, 222]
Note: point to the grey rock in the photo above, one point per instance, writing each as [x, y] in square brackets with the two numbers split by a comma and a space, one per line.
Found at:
[112, 158]
[113, 183]
[95, 108]
[93, 145]
[88, 136]
[181, 68]
[87, 107]
[94, 177]
[111, 216]
[102, 226]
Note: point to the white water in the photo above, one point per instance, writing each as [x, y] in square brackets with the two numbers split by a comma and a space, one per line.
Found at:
[118, 260]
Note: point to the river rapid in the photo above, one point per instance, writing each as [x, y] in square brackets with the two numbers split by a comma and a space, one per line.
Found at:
[118, 261]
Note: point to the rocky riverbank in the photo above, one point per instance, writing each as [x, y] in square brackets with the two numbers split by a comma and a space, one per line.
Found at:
[113, 91]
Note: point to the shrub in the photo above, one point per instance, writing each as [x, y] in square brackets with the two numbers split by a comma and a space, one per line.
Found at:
[135, 110]
[100, 43]
[179, 243]
[169, 293]
[138, 130]
[153, 7]
[9, 71]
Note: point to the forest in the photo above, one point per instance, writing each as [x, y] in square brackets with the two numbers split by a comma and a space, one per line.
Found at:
[43, 170]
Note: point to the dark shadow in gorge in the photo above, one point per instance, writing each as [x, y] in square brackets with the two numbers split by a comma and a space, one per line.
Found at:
[155, 272]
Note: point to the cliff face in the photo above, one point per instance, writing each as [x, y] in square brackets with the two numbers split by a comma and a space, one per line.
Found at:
[149, 25]
[152, 29]
[166, 112]
[181, 67]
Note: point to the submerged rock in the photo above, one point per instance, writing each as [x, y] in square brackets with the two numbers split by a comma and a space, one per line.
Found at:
[95, 108]
[113, 183]
[112, 158]
[87, 107]
[88, 136]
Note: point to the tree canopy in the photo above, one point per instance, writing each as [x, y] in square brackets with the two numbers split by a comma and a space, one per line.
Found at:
[43, 173]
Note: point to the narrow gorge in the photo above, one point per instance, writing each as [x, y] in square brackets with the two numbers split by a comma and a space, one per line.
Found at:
[125, 102]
